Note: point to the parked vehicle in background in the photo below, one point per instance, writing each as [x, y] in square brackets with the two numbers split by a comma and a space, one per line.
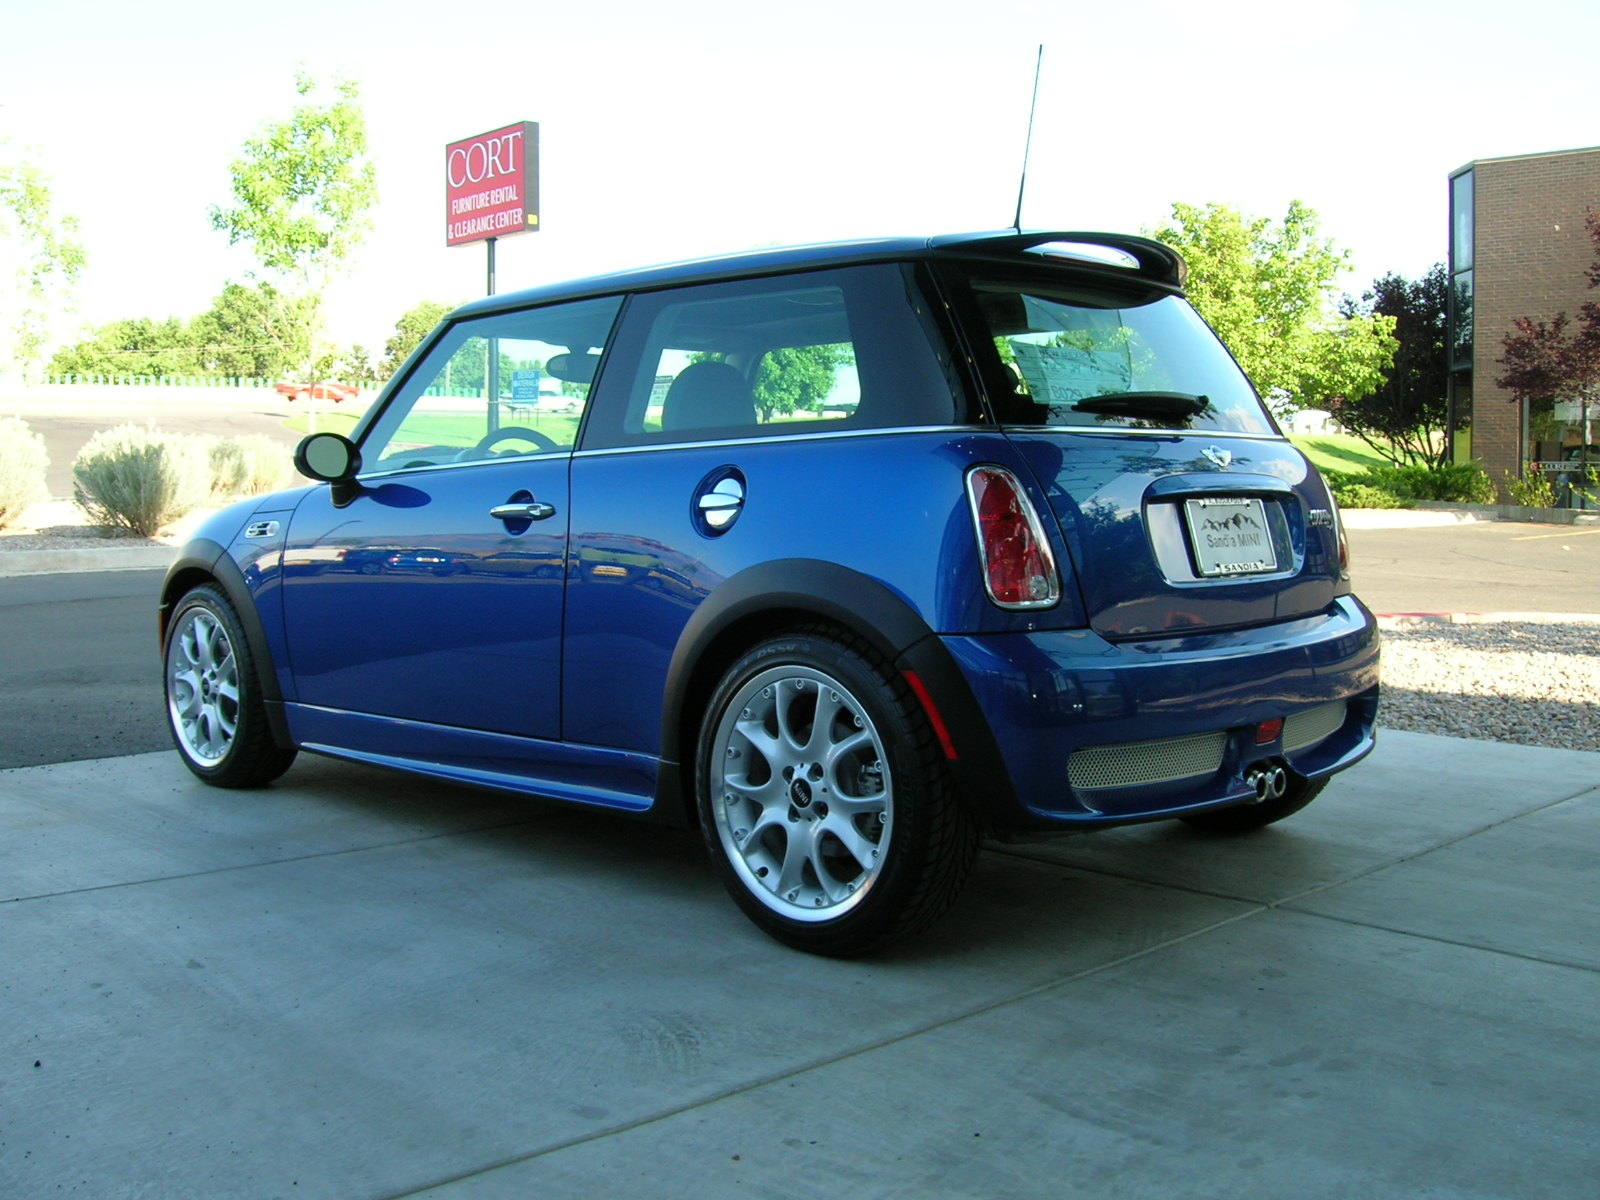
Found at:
[337, 392]
[850, 555]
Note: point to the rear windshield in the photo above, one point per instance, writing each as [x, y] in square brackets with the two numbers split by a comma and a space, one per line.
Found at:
[1085, 357]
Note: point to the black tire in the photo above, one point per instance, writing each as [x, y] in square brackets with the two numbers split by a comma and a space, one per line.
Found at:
[1245, 817]
[838, 835]
[215, 711]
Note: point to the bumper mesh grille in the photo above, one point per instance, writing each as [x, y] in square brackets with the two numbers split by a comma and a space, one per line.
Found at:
[1306, 729]
[1132, 764]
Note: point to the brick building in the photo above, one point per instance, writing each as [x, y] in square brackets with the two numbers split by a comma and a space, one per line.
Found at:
[1519, 247]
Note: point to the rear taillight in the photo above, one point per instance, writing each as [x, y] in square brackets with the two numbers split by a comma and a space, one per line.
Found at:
[1019, 570]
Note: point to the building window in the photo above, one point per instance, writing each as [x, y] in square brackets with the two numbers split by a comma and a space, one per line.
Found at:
[1461, 222]
[1461, 321]
[1461, 417]
[1461, 239]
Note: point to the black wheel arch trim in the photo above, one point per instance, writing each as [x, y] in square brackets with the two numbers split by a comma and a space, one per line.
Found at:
[204, 561]
[763, 600]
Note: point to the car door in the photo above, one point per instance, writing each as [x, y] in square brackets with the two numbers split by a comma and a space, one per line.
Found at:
[435, 593]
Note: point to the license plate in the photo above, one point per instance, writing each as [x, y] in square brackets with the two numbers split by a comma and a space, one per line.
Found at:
[1230, 536]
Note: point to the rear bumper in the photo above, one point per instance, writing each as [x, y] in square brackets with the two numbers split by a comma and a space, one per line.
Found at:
[1183, 716]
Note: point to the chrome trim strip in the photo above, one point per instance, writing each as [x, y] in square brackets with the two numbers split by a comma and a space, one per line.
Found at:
[828, 434]
[820, 435]
[1114, 431]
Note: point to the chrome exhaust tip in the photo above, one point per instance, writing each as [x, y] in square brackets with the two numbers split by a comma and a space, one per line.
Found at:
[1270, 781]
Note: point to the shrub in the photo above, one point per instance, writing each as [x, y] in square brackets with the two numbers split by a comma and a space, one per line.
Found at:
[140, 479]
[247, 466]
[1456, 483]
[23, 464]
[1533, 491]
[1353, 491]
[1402, 487]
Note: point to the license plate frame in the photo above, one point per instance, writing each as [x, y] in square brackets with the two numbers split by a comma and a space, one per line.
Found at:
[1229, 536]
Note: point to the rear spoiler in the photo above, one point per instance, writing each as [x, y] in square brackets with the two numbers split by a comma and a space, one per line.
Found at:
[1118, 254]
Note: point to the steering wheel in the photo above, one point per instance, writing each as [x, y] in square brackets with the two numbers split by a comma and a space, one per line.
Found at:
[507, 433]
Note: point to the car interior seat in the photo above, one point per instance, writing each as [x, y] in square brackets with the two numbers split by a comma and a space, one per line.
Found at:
[708, 395]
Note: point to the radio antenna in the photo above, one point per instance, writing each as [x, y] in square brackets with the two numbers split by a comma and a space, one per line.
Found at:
[1027, 146]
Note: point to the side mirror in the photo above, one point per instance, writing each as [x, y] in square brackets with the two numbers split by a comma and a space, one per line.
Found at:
[330, 457]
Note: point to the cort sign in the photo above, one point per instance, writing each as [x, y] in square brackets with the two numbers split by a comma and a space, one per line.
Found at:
[491, 184]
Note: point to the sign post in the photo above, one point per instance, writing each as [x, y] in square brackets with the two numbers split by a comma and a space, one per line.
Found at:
[491, 188]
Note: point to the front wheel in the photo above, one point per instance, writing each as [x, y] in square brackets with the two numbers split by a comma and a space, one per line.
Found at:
[824, 798]
[214, 703]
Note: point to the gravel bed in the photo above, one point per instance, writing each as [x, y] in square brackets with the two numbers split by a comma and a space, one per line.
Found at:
[62, 525]
[1525, 680]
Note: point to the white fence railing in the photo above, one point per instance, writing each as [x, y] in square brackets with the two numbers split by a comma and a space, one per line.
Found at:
[183, 381]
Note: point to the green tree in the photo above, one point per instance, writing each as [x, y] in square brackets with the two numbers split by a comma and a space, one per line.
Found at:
[137, 346]
[1268, 291]
[249, 331]
[302, 189]
[357, 366]
[417, 323]
[41, 260]
[1404, 418]
[469, 366]
[795, 378]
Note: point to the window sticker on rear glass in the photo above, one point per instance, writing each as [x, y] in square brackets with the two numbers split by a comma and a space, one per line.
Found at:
[1064, 374]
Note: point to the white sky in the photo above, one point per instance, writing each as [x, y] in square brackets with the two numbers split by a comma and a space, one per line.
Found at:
[673, 130]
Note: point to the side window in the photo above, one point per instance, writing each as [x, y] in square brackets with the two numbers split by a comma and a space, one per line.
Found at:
[513, 383]
[803, 353]
[725, 392]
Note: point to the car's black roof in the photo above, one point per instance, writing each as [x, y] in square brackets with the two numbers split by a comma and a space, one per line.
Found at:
[1150, 260]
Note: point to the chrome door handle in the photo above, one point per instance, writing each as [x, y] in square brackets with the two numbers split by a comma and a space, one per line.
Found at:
[721, 506]
[534, 510]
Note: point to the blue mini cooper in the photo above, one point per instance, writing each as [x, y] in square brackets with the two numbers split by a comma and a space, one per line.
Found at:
[849, 555]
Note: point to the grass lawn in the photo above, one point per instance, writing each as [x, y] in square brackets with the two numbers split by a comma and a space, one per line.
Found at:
[327, 422]
[1338, 452]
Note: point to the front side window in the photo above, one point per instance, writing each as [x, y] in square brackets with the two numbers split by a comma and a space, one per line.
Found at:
[513, 383]
[1085, 356]
[811, 352]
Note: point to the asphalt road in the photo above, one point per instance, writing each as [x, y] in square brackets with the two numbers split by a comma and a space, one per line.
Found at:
[1478, 567]
[81, 675]
[79, 667]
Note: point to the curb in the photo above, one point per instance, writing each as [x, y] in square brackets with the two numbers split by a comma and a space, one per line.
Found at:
[1418, 620]
[1429, 513]
[1409, 518]
[49, 562]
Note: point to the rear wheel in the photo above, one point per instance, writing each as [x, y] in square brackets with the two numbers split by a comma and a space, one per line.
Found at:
[214, 703]
[825, 800]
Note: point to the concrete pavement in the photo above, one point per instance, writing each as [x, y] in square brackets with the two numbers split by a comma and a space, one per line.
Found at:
[354, 984]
